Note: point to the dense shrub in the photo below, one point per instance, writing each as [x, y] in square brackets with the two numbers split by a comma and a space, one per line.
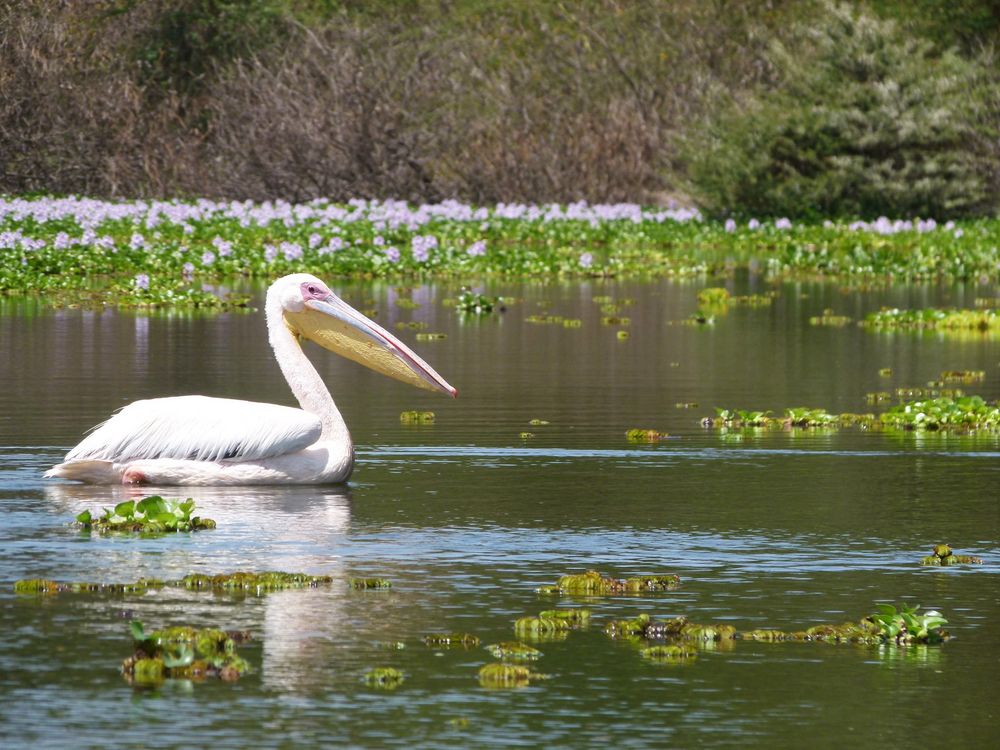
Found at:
[864, 121]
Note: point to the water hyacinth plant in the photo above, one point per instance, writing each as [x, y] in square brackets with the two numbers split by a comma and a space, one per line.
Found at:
[239, 582]
[184, 652]
[151, 515]
[161, 252]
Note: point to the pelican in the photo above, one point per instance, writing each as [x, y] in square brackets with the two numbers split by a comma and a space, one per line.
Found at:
[198, 440]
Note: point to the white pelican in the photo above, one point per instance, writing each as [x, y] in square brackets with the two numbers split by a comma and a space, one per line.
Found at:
[198, 440]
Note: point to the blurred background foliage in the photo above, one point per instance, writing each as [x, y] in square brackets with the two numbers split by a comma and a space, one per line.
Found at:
[796, 108]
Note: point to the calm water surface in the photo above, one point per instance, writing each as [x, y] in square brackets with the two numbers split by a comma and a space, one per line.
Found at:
[781, 530]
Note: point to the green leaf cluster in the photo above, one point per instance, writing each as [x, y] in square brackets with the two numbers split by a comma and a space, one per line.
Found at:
[151, 515]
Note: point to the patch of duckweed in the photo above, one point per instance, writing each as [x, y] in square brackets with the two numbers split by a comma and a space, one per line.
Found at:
[370, 583]
[417, 417]
[713, 296]
[544, 627]
[384, 678]
[526, 435]
[449, 640]
[686, 405]
[243, 582]
[616, 320]
[645, 435]
[503, 675]
[431, 336]
[184, 652]
[984, 320]
[151, 515]
[538, 422]
[514, 651]
[592, 583]
[943, 555]
[623, 335]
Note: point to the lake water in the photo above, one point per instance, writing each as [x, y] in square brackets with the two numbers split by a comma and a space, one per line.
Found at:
[781, 529]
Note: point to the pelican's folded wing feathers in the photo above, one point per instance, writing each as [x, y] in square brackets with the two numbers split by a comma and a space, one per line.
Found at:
[199, 428]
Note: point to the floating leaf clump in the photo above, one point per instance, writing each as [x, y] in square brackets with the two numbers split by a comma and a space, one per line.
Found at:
[645, 435]
[465, 640]
[514, 651]
[828, 318]
[386, 678]
[669, 653]
[151, 515]
[983, 320]
[417, 417]
[963, 376]
[507, 675]
[431, 336]
[594, 584]
[257, 583]
[473, 303]
[713, 296]
[370, 583]
[943, 555]
[184, 652]
[940, 413]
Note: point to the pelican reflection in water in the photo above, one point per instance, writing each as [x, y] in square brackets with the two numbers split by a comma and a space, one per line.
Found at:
[199, 440]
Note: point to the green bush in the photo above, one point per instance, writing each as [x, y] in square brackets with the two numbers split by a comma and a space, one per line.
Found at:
[863, 120]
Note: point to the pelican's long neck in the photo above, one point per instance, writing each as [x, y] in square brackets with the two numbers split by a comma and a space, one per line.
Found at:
[305, 382]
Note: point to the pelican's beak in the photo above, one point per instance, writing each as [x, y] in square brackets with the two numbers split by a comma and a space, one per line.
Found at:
[335, 325]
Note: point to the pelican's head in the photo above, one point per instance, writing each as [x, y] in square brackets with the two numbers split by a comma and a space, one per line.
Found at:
[312, 311]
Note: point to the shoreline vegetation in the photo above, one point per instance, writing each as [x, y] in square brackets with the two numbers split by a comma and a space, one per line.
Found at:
[140, 253]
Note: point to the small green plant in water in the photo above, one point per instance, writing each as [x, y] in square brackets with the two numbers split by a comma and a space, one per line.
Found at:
[184, 652]
[943, 555]
[507, 675]
[473, 303]
[593, 583]
[905, 625]
[462, 640]
[384, 678]
[151, 515]
[370, 583]
[417, 417]
[669, 653]
[645, 435]
[514, 651]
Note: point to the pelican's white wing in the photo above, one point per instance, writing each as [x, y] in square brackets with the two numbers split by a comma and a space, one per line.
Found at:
[199, 428]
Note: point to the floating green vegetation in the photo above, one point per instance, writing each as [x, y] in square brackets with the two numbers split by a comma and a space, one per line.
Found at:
[676, 652]
[885, 372]
[906, 626]
[984, 320]
[623, 335]
[407, 304]
[463, 640]
[155, 252]
[514, 651]
[699, 318]
[544, 319]
[253, 582]
[962, 376]
[966, 414]
[184, 652]
[417, 417]
[593, 583]
[143, 294]
[677, 628]
[257, 583]
[507, 675]
[384, 678]
[370, 583]
[526, 435]
[473, 303]
[943, 555]
[878, 397]
[151, 515]
[576, 617]
[828, 318]
[538, 422]
[645, 435]
[412, 325]
[431, 336]
[686, 405]
[713, 296]
[542, 627]
[615, 320]
[942, 413]
[572, 323]
[753, 300]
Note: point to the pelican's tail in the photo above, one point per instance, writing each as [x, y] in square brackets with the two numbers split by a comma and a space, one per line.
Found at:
[88, 471]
